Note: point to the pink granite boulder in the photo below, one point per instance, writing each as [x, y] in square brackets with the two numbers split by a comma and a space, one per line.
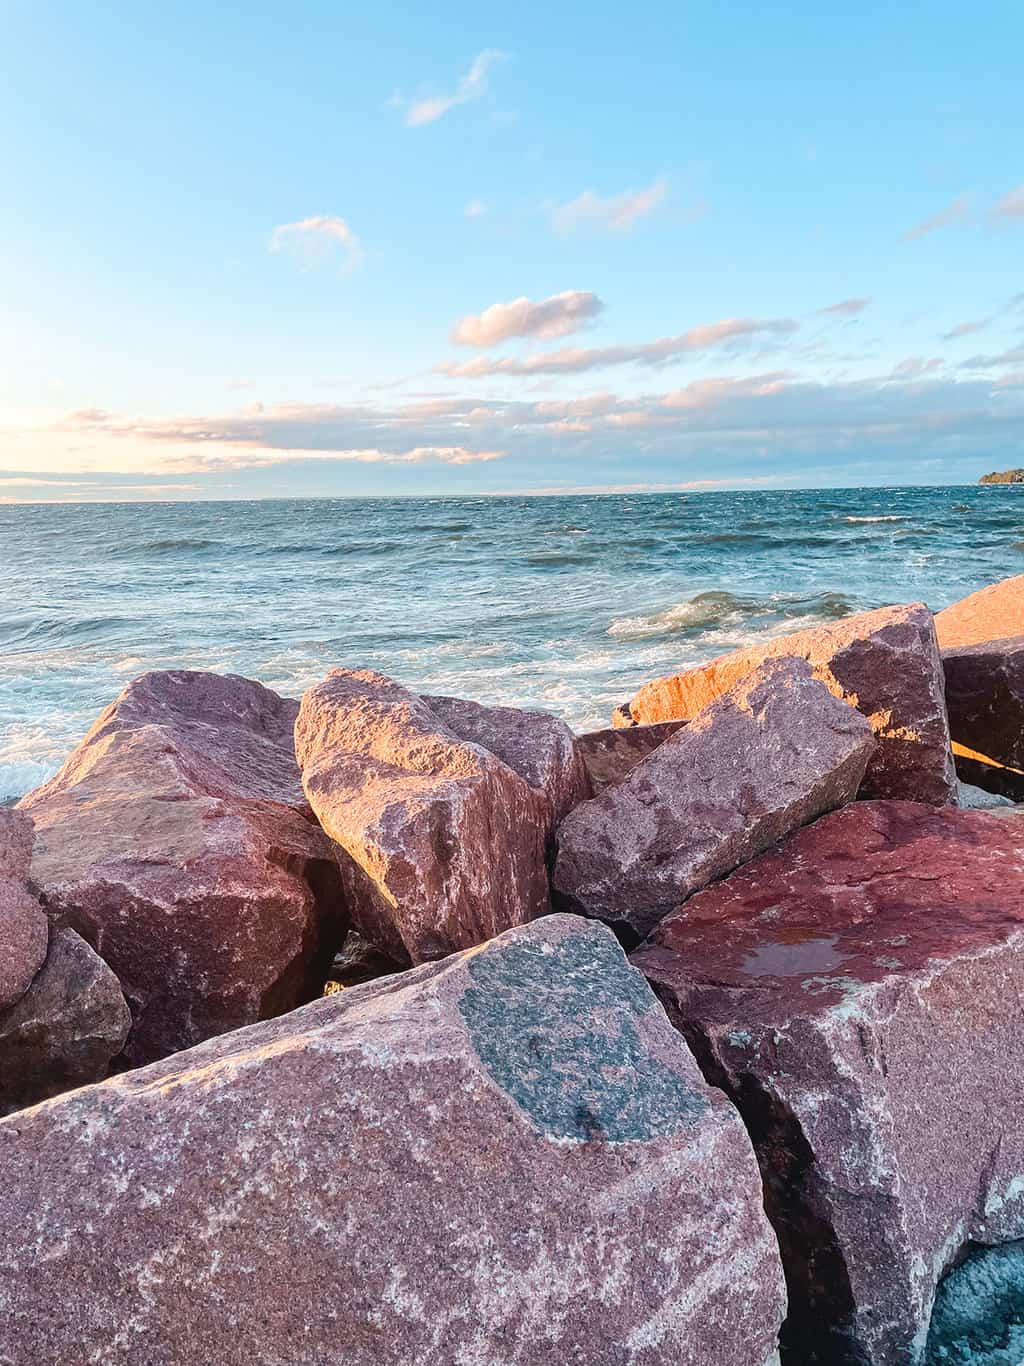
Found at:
[611, 755]
[857, 993]
[993, 613]
[442, 844]
[176, 840]
[886, 663]
[774, 752]
[507, 1158]
[23, 928]
[985, 698]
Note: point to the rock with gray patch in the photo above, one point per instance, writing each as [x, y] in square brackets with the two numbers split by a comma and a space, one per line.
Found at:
[508, 1157]
[857, 992]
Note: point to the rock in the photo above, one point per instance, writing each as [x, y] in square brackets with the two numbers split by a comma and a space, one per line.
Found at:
[971, 798]
[993, 778]
[537, 746]
[978, 1318]
[857, 993]
[445, 844]
[359, 962]
[173, 841]
[508, 1158]
[65, 1029]
[886, 663]
[23, 929]
[611, 755]
[985, 698]
[993, 613]
[773, 753]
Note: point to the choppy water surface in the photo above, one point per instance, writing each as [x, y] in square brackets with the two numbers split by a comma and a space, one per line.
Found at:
[562, 603]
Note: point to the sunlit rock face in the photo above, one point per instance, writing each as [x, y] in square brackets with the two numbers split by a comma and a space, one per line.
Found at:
[770, 755]
[885, 663]
[508, 1157]
[176, 840]
[857, 993]
[993, 613]
[978, 1319]
[985, 698]
[442, 844]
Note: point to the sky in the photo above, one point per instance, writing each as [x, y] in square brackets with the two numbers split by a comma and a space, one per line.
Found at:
[323, 249]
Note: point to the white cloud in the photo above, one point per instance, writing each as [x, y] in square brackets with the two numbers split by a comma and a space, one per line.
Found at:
[956, 211]
[1011, 205]
[914, 366]
[471, 87]
[846, 308]
[616, 212]
[547, 318]
[573, 359]
[316, 239]
[476, 208]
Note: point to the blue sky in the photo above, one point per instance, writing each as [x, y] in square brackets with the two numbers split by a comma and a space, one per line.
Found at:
[325, 249]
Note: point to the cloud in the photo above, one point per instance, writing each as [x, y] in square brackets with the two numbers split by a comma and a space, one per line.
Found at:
[917, 365]
[617, 212]
[548, 318]
[314, 240]
[965, 329]
[1011, 205]
[573, 359]
[956, 211]
[1012, 357]
[476, 208]
[846, 308]
[471, 87]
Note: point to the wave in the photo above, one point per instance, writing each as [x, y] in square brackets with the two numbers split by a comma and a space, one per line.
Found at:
[889, 517]
[723, 609]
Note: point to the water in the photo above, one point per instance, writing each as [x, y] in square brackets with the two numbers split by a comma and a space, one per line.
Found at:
[567, 604]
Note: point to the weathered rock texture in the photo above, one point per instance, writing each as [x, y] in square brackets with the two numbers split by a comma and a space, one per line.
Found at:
[445, 844]
[23, 929]
[174, 841]
[857, 993]
[508, 1158]
[993, 613]
[537, 746]
[770, 755]
[985, 698]
[611, 755]
[65, 1029]
[885, 663]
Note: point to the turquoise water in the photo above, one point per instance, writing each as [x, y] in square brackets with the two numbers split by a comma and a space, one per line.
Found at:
[562, 603]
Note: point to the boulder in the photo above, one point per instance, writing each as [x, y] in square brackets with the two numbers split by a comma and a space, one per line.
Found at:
[777, 750]
[993, 613]
[539, 747]
[442, 844]
[857, 993]
[358, 962]
[507, 1158]
[886, 663]
[996, 779]
[985, 698]
[971, 798]
[23, 929]
[177, 842]
[611, 755]
[65, 1029]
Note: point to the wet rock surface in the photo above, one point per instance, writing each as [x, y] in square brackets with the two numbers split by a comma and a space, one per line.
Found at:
[992, 613]
[442, 844]
[177, 841]
[767, 757]
[857, 993]
[611, 755]
[508, 1157]
[985, 698]
[886, 663]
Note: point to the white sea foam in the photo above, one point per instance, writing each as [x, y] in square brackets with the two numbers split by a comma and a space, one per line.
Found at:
[891, 517]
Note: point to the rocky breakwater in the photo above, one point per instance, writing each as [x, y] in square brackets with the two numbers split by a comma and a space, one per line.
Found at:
[177, 841]
[62, 1014]
[508, 1157]
[856, 992]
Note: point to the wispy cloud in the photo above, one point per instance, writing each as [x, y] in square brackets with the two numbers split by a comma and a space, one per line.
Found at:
[915, 366]
[471, 87]
[315, 240]
[965, 329]
[846, 308]
[956, 211]
[476, 208]
[556, 316]
[1011, 205]
[573, 359]
[616, 212]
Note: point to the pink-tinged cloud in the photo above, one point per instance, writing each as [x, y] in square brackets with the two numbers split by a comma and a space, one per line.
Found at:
[573, 359]
[615, 212]
[1011, 205]
[472, 86]
[965, 330]
[548, 318]
[917, 365]
[846, 308]
[315, 239]
[956, 211]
